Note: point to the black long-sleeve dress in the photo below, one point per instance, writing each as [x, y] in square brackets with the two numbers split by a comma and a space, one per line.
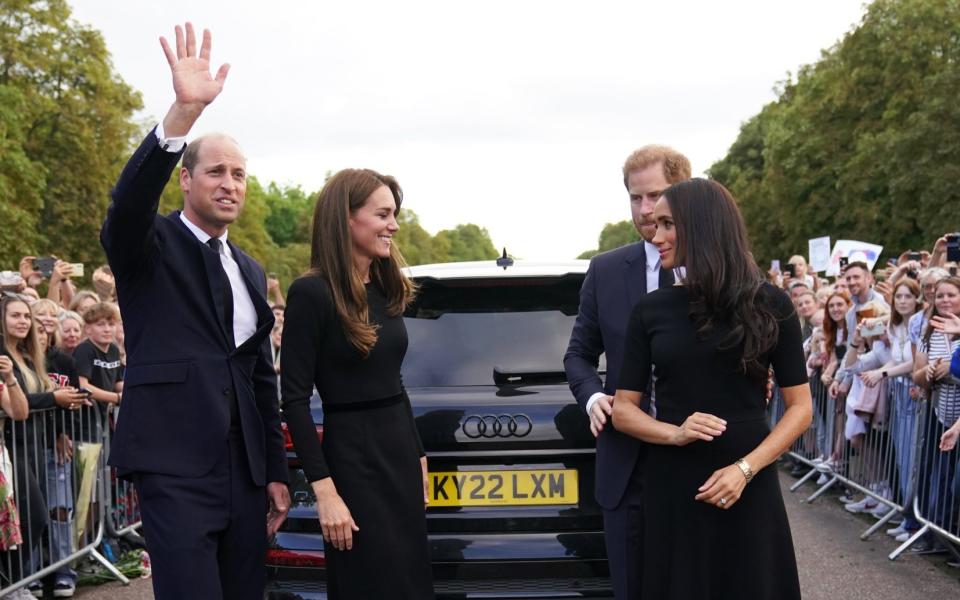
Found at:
[691, 549]
[370, 444]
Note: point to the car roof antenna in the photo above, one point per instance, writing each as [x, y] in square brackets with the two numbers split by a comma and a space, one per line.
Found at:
[504, 261]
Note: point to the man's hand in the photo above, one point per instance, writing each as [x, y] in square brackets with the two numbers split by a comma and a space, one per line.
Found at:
[193, 84]
[279, 498]
[599, 413]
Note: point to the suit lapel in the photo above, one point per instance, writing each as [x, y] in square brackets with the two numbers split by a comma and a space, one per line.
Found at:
[635, 272]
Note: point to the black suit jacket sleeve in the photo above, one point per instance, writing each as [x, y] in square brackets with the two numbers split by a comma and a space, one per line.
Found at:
[586, 344]
[128, 235]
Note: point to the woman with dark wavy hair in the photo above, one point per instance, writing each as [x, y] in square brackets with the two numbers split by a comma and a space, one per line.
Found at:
[710, 341]
[344, 333]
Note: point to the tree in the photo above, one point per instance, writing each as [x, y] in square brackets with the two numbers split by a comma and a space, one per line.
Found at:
[864, 144]
[466, 242]
[613, 235]
[66, 129]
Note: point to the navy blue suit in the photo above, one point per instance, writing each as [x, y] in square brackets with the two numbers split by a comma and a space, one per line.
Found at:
[614, 282]
[184, 378]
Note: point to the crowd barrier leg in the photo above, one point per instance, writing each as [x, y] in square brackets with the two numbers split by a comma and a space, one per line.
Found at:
[56, 464]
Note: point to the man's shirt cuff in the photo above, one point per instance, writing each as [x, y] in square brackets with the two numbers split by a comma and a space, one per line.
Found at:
[170, 144]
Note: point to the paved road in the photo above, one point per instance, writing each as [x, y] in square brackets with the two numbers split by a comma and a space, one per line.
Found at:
[834, 562]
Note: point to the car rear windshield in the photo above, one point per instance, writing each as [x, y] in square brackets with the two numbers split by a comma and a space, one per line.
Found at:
[490, 331]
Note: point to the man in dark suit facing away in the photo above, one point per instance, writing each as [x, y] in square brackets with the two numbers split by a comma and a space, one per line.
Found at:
[613, 284]
[199, 428]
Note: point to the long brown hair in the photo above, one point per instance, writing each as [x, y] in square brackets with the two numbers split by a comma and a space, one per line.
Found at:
[723, 280]
[829, 327]
[331, 254]
[28, 348]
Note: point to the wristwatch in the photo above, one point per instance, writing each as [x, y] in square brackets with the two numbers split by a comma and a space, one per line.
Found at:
[883, 373]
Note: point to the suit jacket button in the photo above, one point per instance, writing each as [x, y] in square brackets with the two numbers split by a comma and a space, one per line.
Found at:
[226, 391]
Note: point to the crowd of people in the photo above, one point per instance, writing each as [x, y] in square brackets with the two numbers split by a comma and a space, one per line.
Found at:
[879, 343]
[62, 357]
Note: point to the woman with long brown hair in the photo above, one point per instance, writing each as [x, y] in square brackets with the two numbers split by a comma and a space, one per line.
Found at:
[711, 508]
[344, 334]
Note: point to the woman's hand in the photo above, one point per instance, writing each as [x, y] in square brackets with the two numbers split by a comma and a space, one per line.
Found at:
[948, 441]
[64, 448]
[937, 370]
[723, 488]
[335, 520]
[426, 480]
[826, 379]
[949, 324]
[6, 369]
[871, 378]
[699, 426]
[71, 398]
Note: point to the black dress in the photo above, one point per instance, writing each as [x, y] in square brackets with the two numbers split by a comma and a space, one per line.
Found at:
[693, 550]
[370, 445]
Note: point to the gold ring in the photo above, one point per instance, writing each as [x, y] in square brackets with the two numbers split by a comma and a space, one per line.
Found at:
[723, 501]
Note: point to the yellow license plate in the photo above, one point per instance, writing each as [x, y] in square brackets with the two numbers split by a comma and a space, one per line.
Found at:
[504, 488]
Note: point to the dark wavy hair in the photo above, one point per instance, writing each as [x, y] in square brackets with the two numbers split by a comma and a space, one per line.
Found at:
[723, 279]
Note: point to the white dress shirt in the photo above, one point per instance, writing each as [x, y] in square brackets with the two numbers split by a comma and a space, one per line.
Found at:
[244, 314]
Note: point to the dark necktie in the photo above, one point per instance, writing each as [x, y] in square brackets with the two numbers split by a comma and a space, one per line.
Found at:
[215, 245]
[666, 277]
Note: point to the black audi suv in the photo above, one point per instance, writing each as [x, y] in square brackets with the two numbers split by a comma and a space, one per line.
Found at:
[512, 512]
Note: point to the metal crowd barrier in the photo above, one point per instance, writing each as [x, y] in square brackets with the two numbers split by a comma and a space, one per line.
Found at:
[61, 491]
[896, 462]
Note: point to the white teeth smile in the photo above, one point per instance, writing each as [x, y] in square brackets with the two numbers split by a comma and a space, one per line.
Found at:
[226, 201]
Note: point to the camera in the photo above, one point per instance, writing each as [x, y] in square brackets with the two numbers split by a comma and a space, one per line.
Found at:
[953, 247]
[44, 265]
[844, 261]
[790, 270]
[915, 256]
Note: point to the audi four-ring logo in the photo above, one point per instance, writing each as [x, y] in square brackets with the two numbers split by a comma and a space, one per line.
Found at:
[491, 426]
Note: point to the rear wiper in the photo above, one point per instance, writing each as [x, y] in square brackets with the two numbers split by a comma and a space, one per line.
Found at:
[505, 376]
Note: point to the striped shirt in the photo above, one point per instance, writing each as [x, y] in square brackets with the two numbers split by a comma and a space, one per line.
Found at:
[948, 388]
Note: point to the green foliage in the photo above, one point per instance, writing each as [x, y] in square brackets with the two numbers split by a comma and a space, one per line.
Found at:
[613, 235]
[865, 144]
[65, 130]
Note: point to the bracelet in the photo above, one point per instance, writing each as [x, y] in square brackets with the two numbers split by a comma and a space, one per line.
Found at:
[13, 384]
[745, 467]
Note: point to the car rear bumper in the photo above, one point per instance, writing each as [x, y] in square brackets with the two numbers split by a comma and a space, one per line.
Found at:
[487, 589]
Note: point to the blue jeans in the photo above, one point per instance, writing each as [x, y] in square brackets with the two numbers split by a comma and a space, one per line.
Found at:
[902, 433]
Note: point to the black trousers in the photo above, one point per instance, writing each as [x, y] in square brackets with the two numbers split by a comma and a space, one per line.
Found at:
[206, 536]
[622, 534]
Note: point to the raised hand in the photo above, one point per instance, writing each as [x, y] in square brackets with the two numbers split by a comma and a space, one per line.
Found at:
[193, 84]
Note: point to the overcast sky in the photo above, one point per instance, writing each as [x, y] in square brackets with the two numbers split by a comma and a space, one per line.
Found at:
[516, 116]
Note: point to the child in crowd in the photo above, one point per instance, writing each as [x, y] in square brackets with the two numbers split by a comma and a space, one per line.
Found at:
[98, 361]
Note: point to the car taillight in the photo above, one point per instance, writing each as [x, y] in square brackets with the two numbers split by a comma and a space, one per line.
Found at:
[288, 441]
[279, 557]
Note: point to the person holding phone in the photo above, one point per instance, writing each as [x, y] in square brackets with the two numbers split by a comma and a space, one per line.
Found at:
[710, 504]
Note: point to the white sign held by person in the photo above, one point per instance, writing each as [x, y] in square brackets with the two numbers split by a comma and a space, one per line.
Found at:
[819, 254]
[854, 251]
